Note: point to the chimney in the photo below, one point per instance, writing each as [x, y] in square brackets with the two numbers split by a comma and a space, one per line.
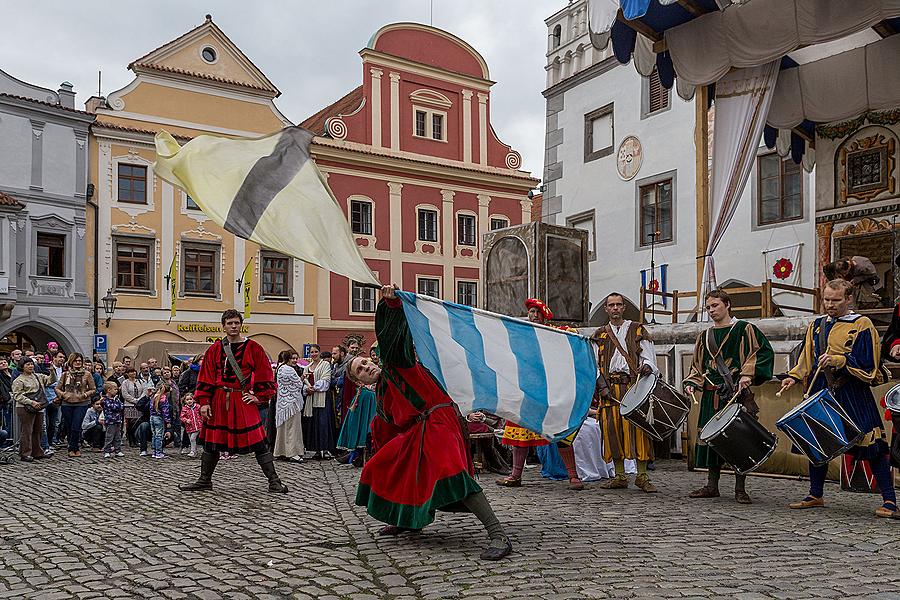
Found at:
[93, 103]
[66, 95]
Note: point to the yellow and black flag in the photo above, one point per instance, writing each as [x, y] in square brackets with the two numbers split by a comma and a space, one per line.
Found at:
[267, 190]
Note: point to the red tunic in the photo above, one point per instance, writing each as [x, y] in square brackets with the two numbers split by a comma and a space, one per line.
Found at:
[421, 458]
[234, 426]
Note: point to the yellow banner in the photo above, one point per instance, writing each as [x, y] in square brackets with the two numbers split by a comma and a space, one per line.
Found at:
[173, 285]
[247, 279]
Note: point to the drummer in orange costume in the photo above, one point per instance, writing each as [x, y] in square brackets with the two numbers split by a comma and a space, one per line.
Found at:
[521, 439]
[842, 353]
[729, 358]
[625, 353]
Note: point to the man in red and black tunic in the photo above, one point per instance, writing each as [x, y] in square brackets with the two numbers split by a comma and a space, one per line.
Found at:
[235, 377]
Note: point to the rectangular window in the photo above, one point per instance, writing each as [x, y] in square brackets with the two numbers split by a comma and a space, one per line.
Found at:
[200, 265]
[465, 234]
[420, 123]
[51, 255]
[437, 127]
[429, 287]
[656, 212]
[133, 266]
[276, 272]
[466, 293]
[132, 182]
[598, 133]
[585, 222]
[363, 298]
[657, 95]
[427, 225]
[189, 203]
[779, 194]
[429, 124]
[499, 224]
[361, 217]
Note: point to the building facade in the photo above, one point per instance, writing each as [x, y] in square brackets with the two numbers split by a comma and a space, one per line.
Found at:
[199, 83]
[43, 192]
[412, 158]
[620, 163]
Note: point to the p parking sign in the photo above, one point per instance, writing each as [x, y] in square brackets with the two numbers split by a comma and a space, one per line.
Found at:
[100, 343]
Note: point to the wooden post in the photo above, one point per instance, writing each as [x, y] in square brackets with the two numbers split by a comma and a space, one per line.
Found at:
[643, 304]
[674, 307]
[701, 176]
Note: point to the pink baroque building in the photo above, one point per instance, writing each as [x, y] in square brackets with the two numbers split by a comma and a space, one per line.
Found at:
[414, 161]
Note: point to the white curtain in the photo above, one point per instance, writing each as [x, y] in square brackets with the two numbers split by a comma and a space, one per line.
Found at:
[758, 32]
[742, 101]
[839, 87]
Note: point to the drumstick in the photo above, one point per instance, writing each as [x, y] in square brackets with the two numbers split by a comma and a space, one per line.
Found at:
[812, 381]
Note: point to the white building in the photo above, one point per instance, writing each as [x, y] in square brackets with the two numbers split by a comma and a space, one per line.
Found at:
[594, 104]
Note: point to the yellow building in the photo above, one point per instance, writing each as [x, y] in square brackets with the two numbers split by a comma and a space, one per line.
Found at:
[198, 83]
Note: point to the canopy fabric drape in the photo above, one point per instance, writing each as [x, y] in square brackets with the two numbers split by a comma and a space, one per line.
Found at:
[839, 87]
[602, 13]
[752, 34]
[742, 101]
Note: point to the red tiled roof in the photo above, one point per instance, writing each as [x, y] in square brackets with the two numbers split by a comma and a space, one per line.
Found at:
[42, 103]
[107, 125]
[345, 105]
[7, 200]
[178, 71]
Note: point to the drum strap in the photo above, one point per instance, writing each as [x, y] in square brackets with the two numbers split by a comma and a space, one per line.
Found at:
[716, 351]
[628, 358]
[823, 348]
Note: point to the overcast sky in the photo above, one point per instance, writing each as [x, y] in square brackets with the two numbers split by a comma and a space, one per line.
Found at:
[308, 48]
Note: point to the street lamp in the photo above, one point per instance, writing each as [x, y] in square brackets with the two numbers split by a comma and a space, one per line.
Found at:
[109, 305]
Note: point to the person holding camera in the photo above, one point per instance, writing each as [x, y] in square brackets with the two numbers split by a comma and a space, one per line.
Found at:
[28, 391]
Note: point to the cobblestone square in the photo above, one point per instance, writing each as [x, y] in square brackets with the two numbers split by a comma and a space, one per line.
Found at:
[118, 528]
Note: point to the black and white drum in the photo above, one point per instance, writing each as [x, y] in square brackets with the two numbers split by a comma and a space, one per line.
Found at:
[655, 406]
[739, 438]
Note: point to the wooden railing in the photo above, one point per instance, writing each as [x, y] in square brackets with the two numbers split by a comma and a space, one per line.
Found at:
[764, 306]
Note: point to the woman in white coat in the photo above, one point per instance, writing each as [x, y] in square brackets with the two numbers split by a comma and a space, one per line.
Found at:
[288, 410]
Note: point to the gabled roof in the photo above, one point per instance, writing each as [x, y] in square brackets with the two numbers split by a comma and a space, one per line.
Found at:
[156, 59]
[345, 105]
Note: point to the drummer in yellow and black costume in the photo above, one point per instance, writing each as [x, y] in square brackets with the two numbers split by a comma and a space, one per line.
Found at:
[842, 349]
[521, 439]
[621, 439]
[747, 359]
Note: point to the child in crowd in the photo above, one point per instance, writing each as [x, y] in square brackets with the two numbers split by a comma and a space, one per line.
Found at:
[114, 415]
[92, 426]
[190, 418]
[160, 419]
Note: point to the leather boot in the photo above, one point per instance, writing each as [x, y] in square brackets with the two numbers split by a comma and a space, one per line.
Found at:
[267, 462]
[208, 462]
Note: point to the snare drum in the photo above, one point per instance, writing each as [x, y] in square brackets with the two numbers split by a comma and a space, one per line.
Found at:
[738, 438]
[655, 406]
[892, 400]
[820, 428]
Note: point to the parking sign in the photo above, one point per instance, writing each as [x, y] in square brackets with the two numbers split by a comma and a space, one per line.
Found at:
[100, 343]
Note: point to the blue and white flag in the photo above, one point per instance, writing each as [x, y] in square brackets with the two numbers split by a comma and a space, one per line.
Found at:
[538, 377]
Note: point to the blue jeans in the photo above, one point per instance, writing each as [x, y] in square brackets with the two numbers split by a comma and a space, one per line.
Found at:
[53, 417]
[142, 433]
[74, 415]
[158, 426]
[6, 415]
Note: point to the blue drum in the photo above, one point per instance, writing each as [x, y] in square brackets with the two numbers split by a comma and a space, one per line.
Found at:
[820, 428]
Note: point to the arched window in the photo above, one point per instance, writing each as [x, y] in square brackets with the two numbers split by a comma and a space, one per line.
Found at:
[557, 36]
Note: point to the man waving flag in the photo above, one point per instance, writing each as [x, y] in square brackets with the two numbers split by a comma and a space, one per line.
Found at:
[267, 190]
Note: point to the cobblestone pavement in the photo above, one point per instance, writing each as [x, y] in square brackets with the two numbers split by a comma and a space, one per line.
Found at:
[94, 528]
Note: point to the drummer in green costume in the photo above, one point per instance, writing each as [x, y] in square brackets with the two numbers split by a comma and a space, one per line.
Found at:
[747, 360]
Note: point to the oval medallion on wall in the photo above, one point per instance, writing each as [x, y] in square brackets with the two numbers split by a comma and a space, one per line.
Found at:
[629, 157]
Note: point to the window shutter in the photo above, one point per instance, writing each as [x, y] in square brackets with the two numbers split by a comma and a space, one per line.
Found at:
[659, 96]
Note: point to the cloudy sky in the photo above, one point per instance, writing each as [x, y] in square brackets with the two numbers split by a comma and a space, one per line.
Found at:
[308, 48]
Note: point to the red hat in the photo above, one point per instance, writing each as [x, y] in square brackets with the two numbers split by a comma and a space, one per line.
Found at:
[535, 303]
